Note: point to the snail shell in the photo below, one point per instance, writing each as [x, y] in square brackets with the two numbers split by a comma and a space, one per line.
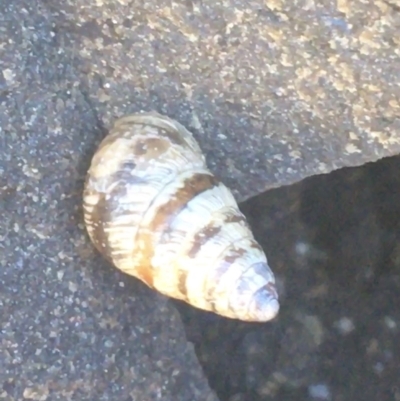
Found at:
[156, 212]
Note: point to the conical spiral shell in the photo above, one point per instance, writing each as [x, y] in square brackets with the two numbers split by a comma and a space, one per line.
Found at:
[152, 208]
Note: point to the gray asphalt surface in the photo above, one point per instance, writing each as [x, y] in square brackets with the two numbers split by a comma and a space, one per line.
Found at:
[273, 94]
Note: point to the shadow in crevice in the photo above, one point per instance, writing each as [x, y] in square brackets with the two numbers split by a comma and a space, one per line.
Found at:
[332, 241]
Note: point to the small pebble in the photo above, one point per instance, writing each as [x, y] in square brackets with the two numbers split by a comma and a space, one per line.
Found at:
[319, 392]
[379, 368]
[302, 248]
[344, 325]
[390, 323]
[72, 286]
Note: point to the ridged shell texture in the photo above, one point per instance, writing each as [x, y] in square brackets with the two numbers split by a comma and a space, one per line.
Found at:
[154, 210]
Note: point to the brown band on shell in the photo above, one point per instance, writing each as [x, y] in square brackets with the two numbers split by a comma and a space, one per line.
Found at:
[236, 218]
[165, 214]
[150, 148]
[182, 283]
[210, 231]
[104, 212]
[145, 145]
[219, 270]
[204, 235]
[174, 136]
[255, 245]
[161, 130]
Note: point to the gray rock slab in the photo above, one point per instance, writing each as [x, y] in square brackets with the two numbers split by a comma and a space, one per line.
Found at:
[274, 92]
[71, 328]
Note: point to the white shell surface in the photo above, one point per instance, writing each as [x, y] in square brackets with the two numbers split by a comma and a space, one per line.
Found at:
[152, 207]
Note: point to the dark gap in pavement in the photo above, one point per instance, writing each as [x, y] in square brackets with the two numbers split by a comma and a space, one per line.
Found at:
[333, 243]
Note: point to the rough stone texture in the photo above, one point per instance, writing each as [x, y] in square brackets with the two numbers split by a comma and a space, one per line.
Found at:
[71, 327]
[274, 92]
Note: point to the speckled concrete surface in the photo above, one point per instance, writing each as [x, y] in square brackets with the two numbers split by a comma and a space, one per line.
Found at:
[71, 327]
[274, 92]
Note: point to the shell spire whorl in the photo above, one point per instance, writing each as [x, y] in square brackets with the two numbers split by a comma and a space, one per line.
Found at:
[152, 208]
